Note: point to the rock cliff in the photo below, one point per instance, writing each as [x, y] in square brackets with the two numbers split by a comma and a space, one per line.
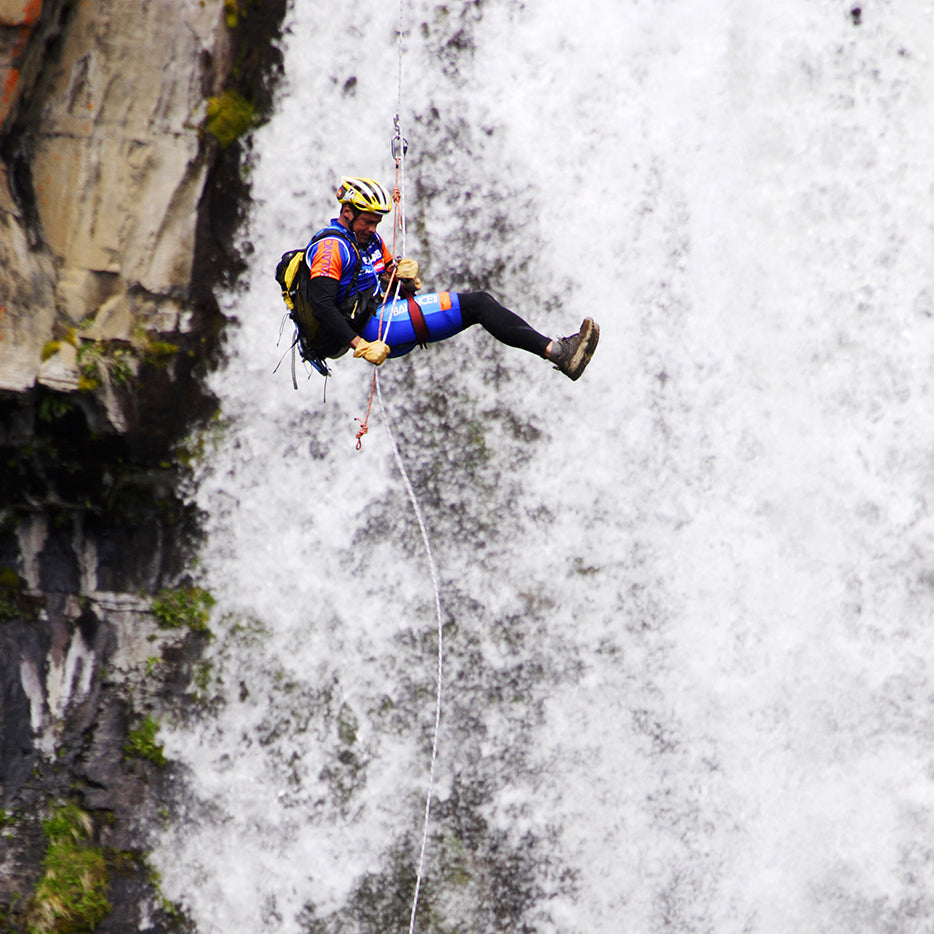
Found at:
[124, 129]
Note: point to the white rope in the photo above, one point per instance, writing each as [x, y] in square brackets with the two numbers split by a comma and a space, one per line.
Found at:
[399, 126]
[399, 147]
[401, 33]
[437, 589]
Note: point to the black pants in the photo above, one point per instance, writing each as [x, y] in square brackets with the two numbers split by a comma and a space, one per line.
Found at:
[506, 326]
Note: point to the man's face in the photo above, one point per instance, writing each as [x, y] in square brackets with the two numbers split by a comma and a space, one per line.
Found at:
[365, 226]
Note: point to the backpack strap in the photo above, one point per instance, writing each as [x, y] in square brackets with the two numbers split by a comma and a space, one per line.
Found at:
[288, 277]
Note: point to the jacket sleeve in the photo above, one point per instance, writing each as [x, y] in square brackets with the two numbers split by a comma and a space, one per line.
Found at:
[323, 299]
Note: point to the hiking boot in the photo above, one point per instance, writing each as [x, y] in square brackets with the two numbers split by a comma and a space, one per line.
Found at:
[571, 354]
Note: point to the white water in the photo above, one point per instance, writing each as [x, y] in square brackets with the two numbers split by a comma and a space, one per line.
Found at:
[688, 599]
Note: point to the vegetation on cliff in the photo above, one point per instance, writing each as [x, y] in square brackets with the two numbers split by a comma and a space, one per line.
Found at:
[72, 894]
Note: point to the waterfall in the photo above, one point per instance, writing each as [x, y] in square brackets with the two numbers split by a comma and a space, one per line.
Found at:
[687, 600]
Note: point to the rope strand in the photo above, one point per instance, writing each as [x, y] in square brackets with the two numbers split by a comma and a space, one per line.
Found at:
[399, 146]
[400, 156]
[399, 149]
[440, 672]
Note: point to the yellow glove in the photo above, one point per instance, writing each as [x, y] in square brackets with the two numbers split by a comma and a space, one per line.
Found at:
[407, 271]
[374, 351]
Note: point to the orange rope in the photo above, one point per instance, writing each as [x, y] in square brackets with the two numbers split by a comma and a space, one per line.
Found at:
[363, 425]
[396, 226]
[364, 428]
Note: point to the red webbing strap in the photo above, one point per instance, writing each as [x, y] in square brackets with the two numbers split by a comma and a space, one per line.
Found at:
[418, 320]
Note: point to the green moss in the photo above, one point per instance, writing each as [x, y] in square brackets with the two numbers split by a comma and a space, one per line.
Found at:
[456, 862]
[170, 909]
[71, 896]
[91, 359]
[121, 367]
[231, 14]
[229, 116]
[115, 362]
[11, 587]
[15, 601]
[142, 743]
[204, 440]
[156, 352]
[49, 350]
[150, 349]
[201, 677]
[87, 384]
[184, 608]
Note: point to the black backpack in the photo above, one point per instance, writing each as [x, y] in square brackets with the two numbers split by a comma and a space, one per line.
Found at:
[294, 278]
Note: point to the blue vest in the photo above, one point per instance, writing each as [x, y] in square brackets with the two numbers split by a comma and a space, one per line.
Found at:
[352, 256]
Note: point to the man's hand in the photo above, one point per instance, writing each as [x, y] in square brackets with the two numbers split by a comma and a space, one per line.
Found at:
[374, 351]
[407, 271]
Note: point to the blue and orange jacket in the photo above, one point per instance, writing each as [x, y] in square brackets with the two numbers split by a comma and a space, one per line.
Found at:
[333, 253]
[344, 285]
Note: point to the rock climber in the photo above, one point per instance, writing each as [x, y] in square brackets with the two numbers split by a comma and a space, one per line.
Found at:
[349, 269]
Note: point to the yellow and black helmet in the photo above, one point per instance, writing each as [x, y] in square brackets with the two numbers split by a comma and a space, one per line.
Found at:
[364, 194]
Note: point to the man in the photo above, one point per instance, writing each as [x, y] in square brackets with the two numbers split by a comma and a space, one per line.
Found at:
[351, 267]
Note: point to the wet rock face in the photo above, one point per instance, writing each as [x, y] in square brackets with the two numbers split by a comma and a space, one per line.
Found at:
[118, 211]
[26, 275]
[112, 234]
[116, 166]
[105, 170]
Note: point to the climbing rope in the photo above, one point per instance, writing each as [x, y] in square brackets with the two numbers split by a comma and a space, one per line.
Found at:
[381, 335]
[399, 147]
[440, 672]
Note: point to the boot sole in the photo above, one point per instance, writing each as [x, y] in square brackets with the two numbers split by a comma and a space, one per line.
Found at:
[590, 332]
